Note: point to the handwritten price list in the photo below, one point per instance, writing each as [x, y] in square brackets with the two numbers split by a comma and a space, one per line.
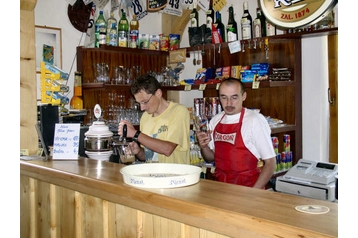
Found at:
[66, 141]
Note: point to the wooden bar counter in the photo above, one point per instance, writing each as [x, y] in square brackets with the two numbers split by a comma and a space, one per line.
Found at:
[88, 198]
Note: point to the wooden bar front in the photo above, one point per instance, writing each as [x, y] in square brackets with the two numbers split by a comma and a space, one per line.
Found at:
[88, 198]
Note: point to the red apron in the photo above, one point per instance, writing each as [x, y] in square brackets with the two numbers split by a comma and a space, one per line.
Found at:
[233, 161]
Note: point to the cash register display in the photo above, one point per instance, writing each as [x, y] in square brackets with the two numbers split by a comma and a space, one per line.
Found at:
[325, 166]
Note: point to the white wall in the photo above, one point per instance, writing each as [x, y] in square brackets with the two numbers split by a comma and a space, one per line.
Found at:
[315, 110]
[53, 13]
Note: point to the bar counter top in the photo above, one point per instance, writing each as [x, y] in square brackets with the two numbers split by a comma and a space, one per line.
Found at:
[225, 209]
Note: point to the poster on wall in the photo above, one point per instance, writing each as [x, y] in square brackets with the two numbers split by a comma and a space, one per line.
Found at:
[48, 46]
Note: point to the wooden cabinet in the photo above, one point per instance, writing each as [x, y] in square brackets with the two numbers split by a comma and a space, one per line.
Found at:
[277, 99]
[94, 92]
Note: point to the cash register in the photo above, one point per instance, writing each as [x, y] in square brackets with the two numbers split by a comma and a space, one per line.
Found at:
[308, 178]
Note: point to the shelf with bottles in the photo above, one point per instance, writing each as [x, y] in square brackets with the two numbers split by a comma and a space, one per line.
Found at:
[272, 39]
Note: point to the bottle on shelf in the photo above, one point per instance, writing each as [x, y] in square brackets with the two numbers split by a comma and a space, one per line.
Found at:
[123, 28]
[210, 14]
[100, 30]
[133, 32]
[263, 24]
[194, 17]
[246, 23]
[111, 19]
[220, 26]
[270, 29]
[231, 28]
[258, 25]
[113, 35]
[76, 101]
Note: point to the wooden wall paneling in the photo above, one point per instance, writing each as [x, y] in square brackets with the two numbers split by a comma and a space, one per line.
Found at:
[333, 85]
[28, 85]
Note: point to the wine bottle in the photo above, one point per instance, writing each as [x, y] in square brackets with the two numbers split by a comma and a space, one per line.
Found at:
[257, 24]
[263, 24]
[100, 30]
[111, 19]
[194, 17]
[220, 26]
[231, 28]
[123, 28]
[246, 23]
[210, 13]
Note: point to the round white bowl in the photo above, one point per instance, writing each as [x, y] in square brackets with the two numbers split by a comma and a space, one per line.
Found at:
[104, 156]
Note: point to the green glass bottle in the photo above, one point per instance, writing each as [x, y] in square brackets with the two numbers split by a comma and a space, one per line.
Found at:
[123, 29]
[100, 30]
[194, 17]
[231, 28]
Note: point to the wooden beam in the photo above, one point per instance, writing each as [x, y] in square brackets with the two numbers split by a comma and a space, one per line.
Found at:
[28, 5]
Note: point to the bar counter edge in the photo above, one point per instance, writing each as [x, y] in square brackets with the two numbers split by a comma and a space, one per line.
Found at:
[88, 198]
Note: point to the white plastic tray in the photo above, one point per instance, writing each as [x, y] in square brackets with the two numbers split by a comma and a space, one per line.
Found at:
[160, 175]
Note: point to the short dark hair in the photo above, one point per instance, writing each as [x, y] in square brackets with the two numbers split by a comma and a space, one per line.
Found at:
[231, 80]
[146, 82]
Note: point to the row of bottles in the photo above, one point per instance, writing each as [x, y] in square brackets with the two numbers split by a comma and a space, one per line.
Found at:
[250, 28]
[123, 35]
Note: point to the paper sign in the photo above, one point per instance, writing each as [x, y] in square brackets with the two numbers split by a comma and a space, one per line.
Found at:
[66, 141]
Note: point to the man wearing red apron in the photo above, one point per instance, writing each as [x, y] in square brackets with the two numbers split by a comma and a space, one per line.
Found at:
[237, 139]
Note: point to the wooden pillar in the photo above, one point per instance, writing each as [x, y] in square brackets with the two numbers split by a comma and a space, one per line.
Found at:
[28, 104]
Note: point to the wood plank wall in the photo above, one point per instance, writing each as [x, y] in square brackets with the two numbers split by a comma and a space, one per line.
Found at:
[48, 210]
[28, 104]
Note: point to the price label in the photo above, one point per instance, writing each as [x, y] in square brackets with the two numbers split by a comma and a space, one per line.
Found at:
[187, 87]
[174, 7]
[202, 87]
[66, 141]
[138, 9]
[255, 85]
[187, 4]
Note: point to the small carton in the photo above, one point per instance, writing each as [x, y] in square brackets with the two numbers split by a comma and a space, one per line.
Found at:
[174, 40]
[164, 42]
[226, 72]
[235, 71]
[143, 41]
[154, 42]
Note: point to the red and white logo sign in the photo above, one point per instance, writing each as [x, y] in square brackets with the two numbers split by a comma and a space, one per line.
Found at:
[296, 13]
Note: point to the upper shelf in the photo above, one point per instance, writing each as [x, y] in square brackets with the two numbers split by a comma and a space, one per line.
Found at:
[272, 39]
[263, 84]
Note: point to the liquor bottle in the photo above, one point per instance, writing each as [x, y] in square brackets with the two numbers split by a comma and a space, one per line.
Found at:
[113, 35]
[76, 101]
[263, 24]
[123, 28]
[133, 32]
[194, 17]
[258, 24]
[246, 23]
[270, 29]
[231, 28]
[210, 13]
[220, 26]
[110, 22]
[100, 30]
